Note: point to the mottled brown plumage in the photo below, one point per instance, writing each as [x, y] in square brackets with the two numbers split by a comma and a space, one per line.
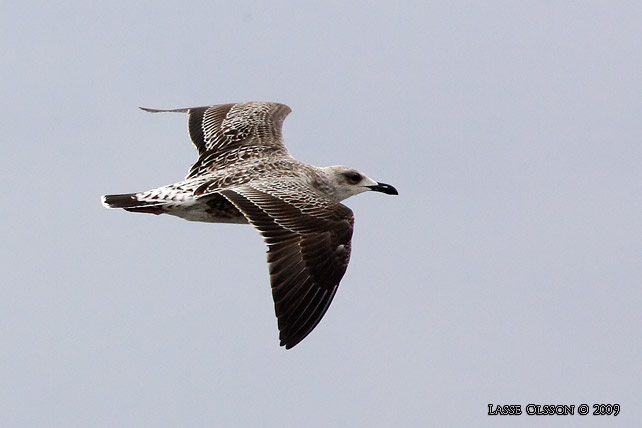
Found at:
[244, 173]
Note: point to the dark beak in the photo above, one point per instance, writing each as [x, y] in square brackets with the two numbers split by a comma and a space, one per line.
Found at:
[384, 188]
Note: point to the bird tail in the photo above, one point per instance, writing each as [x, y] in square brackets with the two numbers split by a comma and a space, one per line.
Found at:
[131, 202]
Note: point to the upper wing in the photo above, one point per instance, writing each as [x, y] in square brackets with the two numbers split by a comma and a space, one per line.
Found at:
[227, 132]
[308, 239]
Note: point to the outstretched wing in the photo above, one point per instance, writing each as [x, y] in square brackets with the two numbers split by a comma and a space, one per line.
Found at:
[308, 238]
[226, 133]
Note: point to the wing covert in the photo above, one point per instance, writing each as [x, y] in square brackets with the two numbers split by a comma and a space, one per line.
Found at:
[308, 254]
[225, 133]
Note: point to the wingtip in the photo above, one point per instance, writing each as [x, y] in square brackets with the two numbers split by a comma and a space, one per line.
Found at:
[287, 342]
[287, 346]
[292, 341]
[149, 110]
[156, 110]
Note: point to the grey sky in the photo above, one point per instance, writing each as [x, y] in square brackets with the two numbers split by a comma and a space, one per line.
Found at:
[508, 270]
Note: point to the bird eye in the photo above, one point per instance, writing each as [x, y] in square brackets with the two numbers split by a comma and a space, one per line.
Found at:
[354, 177]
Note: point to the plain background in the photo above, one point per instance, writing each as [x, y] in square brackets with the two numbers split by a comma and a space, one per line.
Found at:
[507, 271]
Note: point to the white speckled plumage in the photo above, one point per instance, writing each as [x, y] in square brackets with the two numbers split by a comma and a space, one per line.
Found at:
[243, 174]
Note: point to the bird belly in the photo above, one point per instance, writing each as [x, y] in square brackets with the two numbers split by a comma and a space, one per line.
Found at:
[212, 208]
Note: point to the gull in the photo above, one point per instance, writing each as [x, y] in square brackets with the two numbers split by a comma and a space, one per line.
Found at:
[245, 174]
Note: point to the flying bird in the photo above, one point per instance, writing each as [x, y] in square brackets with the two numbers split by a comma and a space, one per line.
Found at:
[244, 174]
